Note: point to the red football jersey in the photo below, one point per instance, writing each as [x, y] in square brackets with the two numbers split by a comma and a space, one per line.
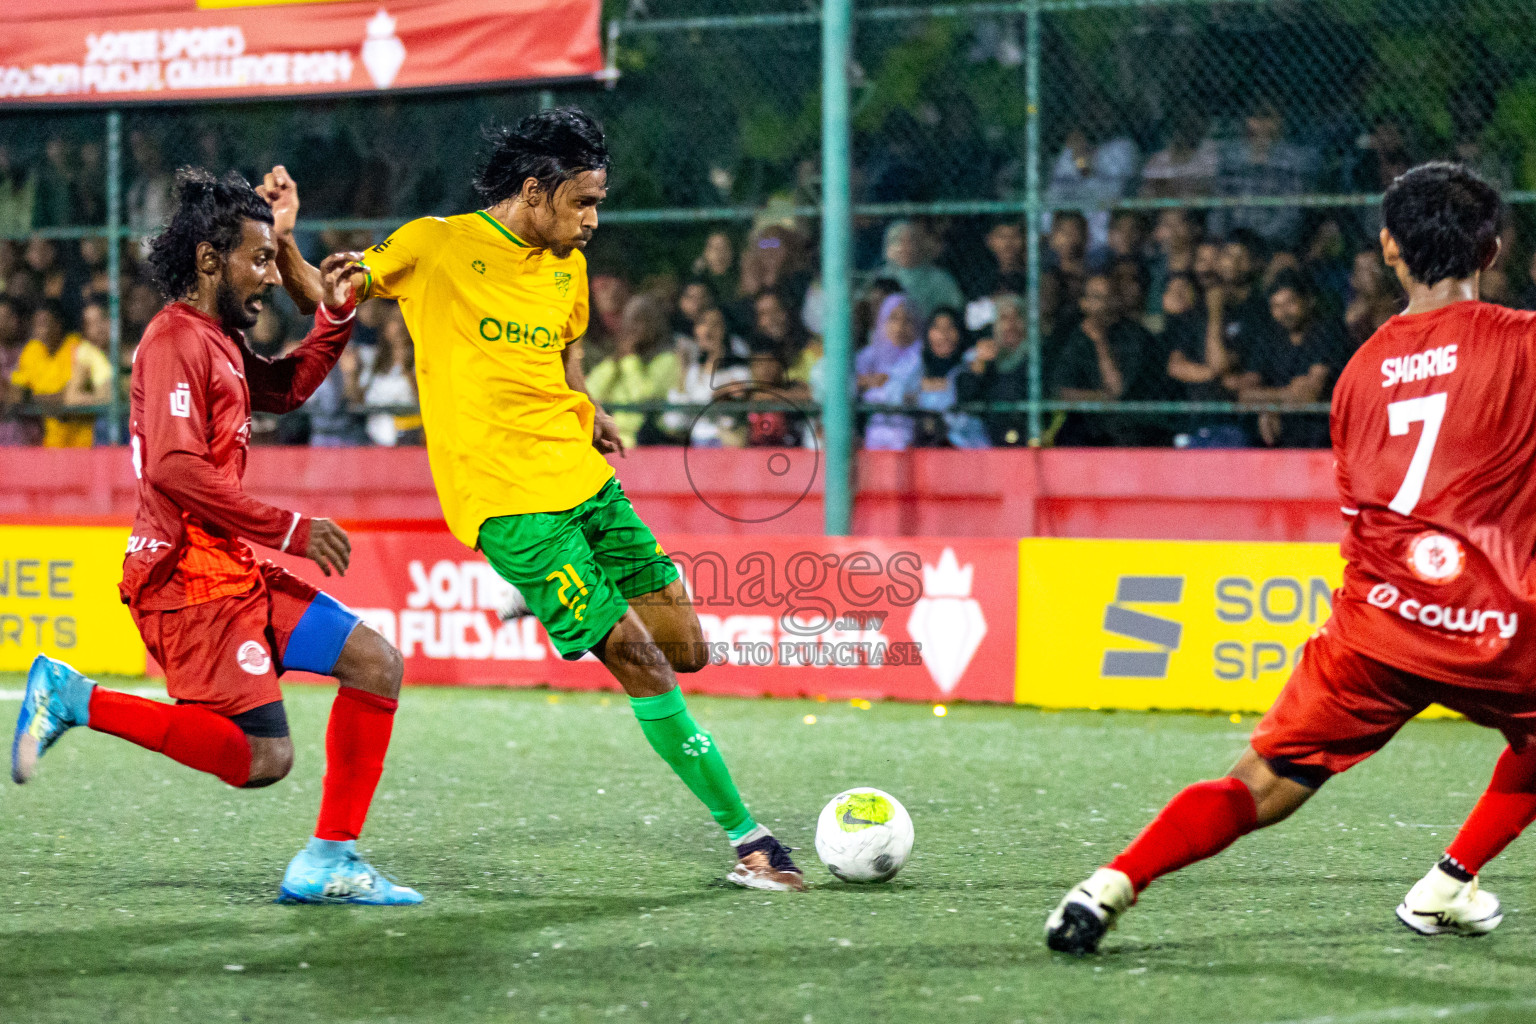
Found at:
[1434, 433]
[193, 390]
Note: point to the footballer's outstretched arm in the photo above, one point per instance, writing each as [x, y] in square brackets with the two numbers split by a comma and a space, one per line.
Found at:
[283, 384]
[302, 280]
[605, 432]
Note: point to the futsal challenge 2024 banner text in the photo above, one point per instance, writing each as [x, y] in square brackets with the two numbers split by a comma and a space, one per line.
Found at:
[1055, 623]
[124, 51]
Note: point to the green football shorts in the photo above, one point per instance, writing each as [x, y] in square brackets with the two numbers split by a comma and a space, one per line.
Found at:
[578, 569]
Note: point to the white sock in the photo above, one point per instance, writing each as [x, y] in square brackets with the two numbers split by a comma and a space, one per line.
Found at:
[753, 836]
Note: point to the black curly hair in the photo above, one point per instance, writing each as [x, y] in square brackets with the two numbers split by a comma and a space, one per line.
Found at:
[552, 146]
[208, 209]
[1445, 219]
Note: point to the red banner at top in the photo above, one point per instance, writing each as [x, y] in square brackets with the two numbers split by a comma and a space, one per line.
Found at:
[124, 51]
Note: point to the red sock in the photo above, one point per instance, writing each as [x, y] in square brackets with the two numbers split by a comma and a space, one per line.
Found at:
[192, 735]
[355, 742]
[1200, 822]
[1501, 814]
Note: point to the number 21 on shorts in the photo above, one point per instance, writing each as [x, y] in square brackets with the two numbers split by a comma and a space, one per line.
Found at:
[575, 604]
[1430, 411]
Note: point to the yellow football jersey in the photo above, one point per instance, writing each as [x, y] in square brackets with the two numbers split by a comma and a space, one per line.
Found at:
[490, 316]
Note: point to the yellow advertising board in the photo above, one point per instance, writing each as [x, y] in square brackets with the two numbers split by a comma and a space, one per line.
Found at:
[58, 596]
[1167, 624]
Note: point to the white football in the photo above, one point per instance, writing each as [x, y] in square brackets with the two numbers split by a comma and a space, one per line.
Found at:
[864, 835]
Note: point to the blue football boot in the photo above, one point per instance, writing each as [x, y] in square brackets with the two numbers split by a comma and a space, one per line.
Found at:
[332, 872]
[57, 699]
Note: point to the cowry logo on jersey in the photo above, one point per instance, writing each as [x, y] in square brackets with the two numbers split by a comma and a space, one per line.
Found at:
[253, 658]
[1437, 362]
[1382, 595]
[478, 266]
[181, 401]
[1436, 558]
[1458, 620]
[947, 621]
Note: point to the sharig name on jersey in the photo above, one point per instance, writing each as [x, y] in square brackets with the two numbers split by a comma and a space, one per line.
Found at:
[1437, 362]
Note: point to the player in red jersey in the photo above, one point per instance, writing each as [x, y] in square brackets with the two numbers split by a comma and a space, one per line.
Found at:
[224, 625]
[1434, 433]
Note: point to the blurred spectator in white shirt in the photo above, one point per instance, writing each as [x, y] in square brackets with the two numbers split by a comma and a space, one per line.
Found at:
[1094, 177]
[1185, 168]
[1262, 163]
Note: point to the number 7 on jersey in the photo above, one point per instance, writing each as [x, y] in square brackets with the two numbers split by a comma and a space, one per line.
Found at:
[1430, 411]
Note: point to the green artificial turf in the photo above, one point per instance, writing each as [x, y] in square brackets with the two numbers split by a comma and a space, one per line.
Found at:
[570, 877]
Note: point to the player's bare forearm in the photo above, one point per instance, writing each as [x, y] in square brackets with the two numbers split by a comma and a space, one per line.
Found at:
[361, 284]
[282, 385]
[301, 279]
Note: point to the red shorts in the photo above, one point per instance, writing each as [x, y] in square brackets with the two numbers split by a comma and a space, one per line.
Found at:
[226, 654]
[1340, 707]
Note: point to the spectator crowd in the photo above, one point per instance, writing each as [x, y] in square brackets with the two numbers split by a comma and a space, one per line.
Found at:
[1210, 303]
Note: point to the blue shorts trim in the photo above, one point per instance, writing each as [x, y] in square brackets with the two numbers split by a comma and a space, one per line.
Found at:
[322, 632]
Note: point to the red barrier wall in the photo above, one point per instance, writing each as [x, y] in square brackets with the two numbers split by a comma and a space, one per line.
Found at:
[1146, 493]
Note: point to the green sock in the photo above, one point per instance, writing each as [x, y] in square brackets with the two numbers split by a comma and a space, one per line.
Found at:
[695, 758]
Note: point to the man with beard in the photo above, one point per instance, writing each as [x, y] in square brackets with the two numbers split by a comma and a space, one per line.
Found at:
[1218, 365]
[1305, 355]
[224, 625]
[496, 300]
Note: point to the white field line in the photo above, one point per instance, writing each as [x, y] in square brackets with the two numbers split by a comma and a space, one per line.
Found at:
[1414, 1013]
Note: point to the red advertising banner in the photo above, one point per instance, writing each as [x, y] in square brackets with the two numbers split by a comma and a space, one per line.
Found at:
[906, 618]
[121, 51]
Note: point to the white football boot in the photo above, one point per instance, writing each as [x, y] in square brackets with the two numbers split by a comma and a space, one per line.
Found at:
[1088, 911]
[1442, 905]
[515, 606]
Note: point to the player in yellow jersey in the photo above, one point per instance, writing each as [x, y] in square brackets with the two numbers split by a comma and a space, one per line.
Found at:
[496, 301]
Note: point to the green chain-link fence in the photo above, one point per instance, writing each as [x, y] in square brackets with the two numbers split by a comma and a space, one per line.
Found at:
[977, 129]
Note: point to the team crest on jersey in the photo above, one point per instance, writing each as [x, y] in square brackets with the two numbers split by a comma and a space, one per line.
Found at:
[1436, 558]
[562, 283]
[253, 658]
